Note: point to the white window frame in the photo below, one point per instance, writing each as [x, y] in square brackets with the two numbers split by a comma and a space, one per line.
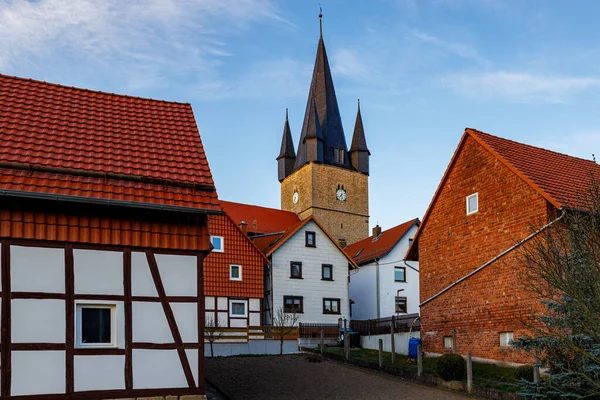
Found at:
[79, 305]
[231, 278]
[245, 302]
[222, 249]
[506, 338]
[476, 196]
[448, 342]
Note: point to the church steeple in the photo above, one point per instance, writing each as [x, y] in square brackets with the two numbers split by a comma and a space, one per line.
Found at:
[322, 92]
[287, 155]
[359, 152]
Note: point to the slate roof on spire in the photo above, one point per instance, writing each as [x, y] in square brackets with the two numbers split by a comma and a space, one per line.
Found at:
[359, 141]
[322, 93]
[287, 143]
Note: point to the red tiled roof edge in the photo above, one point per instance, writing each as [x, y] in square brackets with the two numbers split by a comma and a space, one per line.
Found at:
[245, 235]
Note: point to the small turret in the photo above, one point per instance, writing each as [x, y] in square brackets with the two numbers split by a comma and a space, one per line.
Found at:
[287, 155]
[359, 152]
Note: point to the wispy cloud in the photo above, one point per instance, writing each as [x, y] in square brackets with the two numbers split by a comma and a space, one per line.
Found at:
[349, 63]
[456, 48]
[584, 144]
[519, 86]
[138, 41]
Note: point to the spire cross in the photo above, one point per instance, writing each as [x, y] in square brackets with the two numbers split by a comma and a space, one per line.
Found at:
[321, 20]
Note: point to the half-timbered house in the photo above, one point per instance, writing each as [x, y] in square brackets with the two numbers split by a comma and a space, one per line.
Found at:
[103, 232]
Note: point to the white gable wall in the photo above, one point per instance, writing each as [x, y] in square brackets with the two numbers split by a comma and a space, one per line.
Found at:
[311, 287]
[363, 289]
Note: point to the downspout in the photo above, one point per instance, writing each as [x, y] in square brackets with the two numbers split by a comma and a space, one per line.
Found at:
[493, 259]
[377, 289]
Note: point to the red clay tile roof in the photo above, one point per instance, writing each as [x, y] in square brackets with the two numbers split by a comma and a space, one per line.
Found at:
[263, 242]
[260, 219]
[76, 142]
[559, 178]
[563, 180]
[369, 249]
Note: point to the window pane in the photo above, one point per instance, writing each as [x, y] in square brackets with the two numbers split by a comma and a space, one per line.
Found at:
[335, 306]
[216, 242]
[295, 270]
[399, 274]
[235, 271]
[327, 272]
[473, 203]
[310, 239]
[95, 325]
[401, 304]
[238, 308]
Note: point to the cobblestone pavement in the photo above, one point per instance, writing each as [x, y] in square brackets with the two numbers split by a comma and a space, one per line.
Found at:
[295, 378]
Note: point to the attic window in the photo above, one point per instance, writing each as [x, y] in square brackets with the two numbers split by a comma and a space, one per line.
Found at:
[472, 203]
[376, 238]
[338, 156]
[358, 252]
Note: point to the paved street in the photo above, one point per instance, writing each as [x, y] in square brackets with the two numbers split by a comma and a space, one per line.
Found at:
[295, 378]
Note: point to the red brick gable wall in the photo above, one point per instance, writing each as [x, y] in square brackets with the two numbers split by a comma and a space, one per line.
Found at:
[238, 250]
[453, 244]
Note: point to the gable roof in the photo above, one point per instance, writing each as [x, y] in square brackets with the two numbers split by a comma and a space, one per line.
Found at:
[561, 179]
[82, 145]
[372, 248]
[260, 219]
[270, 243]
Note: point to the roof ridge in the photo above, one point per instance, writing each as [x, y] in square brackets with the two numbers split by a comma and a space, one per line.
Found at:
[254, 205]
[19, 78]
[476, 131]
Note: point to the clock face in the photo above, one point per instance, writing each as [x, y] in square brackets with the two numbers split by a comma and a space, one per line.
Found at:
[295, 197]
[340, 195]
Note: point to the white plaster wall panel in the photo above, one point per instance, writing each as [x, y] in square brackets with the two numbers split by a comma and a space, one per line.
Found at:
[178, 274]
[363, 290]
[99, 373]
[209, 303]
[38, 372]
[186, 316]
[223, 318]
[238, 323]
[150, 323]
[254, 304]
[222, 303]
[98, 272]
[142, 283]
[154, 369]
[38, 321]
[36, 269]
[254, 319]
[311, 287]
[119, 318]
[192, 356]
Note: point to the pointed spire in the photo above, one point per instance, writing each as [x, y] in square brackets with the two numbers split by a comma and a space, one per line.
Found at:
[314, 126]
[287, 143]
[359, 141]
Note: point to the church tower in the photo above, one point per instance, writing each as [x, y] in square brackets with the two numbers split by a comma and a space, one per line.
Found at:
[323, 178]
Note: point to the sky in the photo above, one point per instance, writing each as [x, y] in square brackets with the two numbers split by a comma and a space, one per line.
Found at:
[423, 70]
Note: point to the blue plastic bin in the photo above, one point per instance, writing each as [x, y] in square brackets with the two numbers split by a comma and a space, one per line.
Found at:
[413, 346]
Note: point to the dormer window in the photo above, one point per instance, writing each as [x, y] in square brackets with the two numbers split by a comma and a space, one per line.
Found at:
[338, 156]
[472, 203]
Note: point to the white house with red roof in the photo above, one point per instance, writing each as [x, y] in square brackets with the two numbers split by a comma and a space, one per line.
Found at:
[384, 284]
[307, 272]
[103, 233]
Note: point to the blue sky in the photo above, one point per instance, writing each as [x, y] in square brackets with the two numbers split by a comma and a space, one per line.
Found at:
[423, 69]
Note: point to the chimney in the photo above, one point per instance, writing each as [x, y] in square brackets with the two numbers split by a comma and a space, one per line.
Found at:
[342, 243]
[376, 231]
[244, 227]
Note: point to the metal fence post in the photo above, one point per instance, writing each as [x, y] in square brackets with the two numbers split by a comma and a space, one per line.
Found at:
[322, 340]
[393, 343]
[536, 368]
[420, 360]
[469, 373]
[454, 341]
[380, 353]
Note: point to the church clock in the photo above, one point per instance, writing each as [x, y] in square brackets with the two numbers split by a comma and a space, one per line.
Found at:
[340, 194]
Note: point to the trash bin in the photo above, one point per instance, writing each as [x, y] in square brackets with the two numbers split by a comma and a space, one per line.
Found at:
[413, 347]
[354, 338]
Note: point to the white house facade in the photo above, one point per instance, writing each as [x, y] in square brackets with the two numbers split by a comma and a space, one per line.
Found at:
[307, 274]
[384, 285]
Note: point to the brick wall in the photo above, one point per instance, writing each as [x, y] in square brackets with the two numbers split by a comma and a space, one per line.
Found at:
[453, 244]
[316, 185]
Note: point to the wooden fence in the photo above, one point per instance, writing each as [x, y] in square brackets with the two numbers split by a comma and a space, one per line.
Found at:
[310, 330]
[383, 325]
[242, 335]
